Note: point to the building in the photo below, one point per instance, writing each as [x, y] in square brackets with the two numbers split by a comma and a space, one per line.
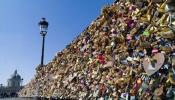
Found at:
[13, 86]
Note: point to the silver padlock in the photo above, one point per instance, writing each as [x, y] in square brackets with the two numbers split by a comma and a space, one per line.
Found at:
[170, 8]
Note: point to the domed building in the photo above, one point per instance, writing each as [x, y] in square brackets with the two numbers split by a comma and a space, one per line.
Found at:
[13, 86]
[15, 80]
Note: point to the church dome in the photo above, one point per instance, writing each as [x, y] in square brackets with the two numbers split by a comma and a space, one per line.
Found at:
[15, 75]
[15, 80]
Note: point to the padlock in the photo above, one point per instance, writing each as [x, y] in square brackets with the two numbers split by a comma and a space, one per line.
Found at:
[170, 5]
[159, 92]
[170, 93]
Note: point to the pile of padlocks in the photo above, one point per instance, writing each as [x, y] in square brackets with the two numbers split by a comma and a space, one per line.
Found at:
[128, 52]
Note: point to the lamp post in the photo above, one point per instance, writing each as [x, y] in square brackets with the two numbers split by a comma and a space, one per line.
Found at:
[43, 24]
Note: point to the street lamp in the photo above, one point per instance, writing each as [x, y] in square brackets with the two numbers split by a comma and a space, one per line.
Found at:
[43, 24]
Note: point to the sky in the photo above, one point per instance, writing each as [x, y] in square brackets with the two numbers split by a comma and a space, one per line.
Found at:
[20, 41]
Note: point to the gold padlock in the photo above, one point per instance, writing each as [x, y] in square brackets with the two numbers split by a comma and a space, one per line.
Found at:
[162, 20]
[162, 7]
[134, 30]
[170, 78]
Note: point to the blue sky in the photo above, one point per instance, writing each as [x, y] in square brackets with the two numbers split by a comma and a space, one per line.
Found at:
[20, 41]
